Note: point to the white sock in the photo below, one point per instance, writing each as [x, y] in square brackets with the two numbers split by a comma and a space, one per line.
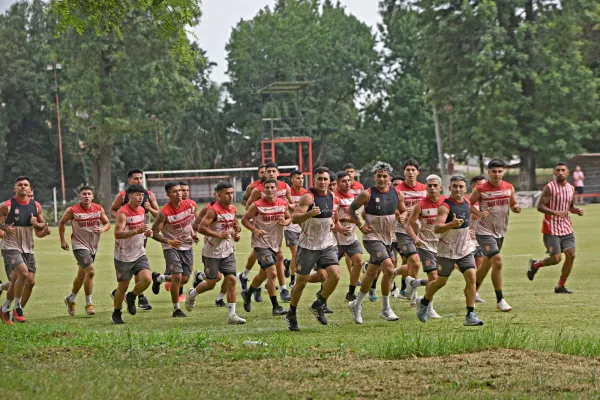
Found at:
[193, 293]
[385, 302]
[245, 273]
[72, 297]
[88, 300]
[160, 278]
[283, 287]
[231, 307]
[18, 302]
[396, 272]
[176, 306]
[6, 305]
[221, 296]
[360, 297]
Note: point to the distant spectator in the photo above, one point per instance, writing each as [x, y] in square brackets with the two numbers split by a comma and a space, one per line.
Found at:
[578, 179]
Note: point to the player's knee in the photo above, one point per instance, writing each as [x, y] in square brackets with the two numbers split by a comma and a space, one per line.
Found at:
[185, 279]
[219, 277]
[271, 273]
[230, 280]
[30, 280]
[570, 254]
[555, 258]
[90, 272]
[497, 261]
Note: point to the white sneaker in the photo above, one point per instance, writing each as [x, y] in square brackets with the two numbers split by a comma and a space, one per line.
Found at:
[389, 315]
[189, 301]
[478, 299]
[373, 295]
[356, 311]
[235, 320]
[503, 306]
[364, 267]
[431, 313]
[396, 293]
[410, 290]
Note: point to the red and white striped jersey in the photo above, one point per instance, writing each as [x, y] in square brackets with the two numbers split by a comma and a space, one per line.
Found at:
[427, 219]
[344, 212]
[412, 197]
[224, 222]
[296, 196]
[178, 224]
[561, 198]
[496, 201]
[356, 187]
[130, 249]
[267, 219]
[84, 220]
[281, 192]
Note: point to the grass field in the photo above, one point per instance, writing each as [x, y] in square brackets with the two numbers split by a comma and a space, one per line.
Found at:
[546, 347]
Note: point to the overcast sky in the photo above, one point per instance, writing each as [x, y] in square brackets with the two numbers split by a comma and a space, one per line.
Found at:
[220, 16]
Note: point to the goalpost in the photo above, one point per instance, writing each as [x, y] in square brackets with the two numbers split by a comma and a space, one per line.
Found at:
[203, 181]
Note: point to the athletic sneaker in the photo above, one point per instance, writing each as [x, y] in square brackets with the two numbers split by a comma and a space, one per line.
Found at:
[235, 320]
[117, 318]
[258, 295]
[356, 311]
[503, 306]
[156, 283]
[17, 316]
[530, 270]
[350, 297]
[112, 294]
[285, 295]
[421, 311]
[388, 315]
[130, 300]
[292, 322]
[373, 295]
[326, 309]
[243, 281]
[143, 303]
[410, 289]
[189, 300]
[198, 278]
[90, 310]
[396, 293]
[70, 306]
[562, 290]
[402, 295]
[247, 297]
[6, 318]
[319, 313]
[365, 266]
[181, 297]
[472, 320]
[286, 266]
[431, 313]
[178, 314]
[220, 303]
[478, 299]
[277, 311]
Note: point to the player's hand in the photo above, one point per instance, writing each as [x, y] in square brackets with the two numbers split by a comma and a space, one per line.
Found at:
[10, 229]
[147, 205]
[484, 214]
[400, 217]
[195, 237]
[148, 233]
[345, 230]
[237, 228]
[284, 222]
[175, 243]
[579, 212]
[315, 210]
[142, 229]
[236, 237]
[561, 214]
[260, 233]
[33, 220]
[225, 235]
[46, 231]
[96, 229]
[457, 222]
[64, 245]
[419, 242]
[366, 229]
[516, 208]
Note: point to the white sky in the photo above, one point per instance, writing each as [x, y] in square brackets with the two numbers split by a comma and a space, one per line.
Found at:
[220, 16]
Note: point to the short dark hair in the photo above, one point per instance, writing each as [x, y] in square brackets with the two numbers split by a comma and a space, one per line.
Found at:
[23, 178]
[458, 177]
[271, 164]
[222, 185]
[496, 163]
[333, 176]
[348, 166]
[261, 166]
[85, 187]
[561, 163]
[136, 189]
[341, 174]
[170, 185]
[477, 178]
[295, 172]
[395, 178]
[270, 181]
[409, 162]
[134, 171]
[183, 183]
[322, 170]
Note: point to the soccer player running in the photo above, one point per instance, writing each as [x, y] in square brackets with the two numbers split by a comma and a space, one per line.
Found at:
[266, 218]
[454, 248]
[556, 203]
[88, 221]
[383, 205]
[292, 232]
[131, 232]
[136, 177]
[496, 198]
[348, 244]
[173, 229]
[479, 254]
[23, 218]
[220, 228]
[317, 246]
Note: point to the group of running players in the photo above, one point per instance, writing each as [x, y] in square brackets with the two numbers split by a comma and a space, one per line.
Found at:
[406, 226]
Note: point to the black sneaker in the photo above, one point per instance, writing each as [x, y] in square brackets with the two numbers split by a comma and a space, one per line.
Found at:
[287, 270]
[130, 300]
[530, 270]
[155, 283]
[562, 290]
[326, 309]
[112, 294]
[178, 314]
[277, 311]
[292, 322]
[247, 297]
[258, 295]
[220, 303]
[350, 297]
[285, 295]
[318, 294]
[117, 319]
[1, 289]
[143, 303]
[198, 278]
[243, 281]
[319, 313]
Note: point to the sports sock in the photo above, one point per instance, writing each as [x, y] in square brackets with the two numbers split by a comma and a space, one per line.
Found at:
[283, 287]
[231, 307]
[221, 296]
[351, 289]
[18, 302]
[88, 300]
[160, 278]
[193, 294]
[6, 305]
[562, 281]
[274, 302]
[245, 273]
[251, 289]
[292, 310]
[374, 284]
[385, 302]
[425, 302]
[176, 306]
[477, 284]
[181, 290]
[293, 280]
[470, 310]
[537, 264]
[499, 295]
[360, 297]
[403, 286]
[72, 297]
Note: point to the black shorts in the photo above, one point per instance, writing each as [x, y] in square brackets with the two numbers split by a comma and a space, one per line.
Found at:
[579, 189]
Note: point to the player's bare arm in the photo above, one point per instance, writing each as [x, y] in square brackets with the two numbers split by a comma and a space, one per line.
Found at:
[359, 201]
[514, 204]
[3, 213]
[253, 197]
[67, 216]
[412, 222]
[440, 221]
[575, 210]
[401, 211]
[337, 226]
[288, 196]
[199, 218]
[120, 232]
[105, 222]
[301, 212]
[157, 235]
[205, 224]
[250, 214]
[152, 205]
[475, 197]
[247, 194]
[116, 205]
[287, 219]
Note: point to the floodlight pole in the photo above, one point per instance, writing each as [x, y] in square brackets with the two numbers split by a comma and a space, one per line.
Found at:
[54, 66]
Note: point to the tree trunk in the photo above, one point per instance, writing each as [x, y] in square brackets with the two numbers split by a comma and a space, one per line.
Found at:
[102, 174]
[527, 178]
[481, 165]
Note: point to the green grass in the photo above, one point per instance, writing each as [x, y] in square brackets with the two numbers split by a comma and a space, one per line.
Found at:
[153, 355]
